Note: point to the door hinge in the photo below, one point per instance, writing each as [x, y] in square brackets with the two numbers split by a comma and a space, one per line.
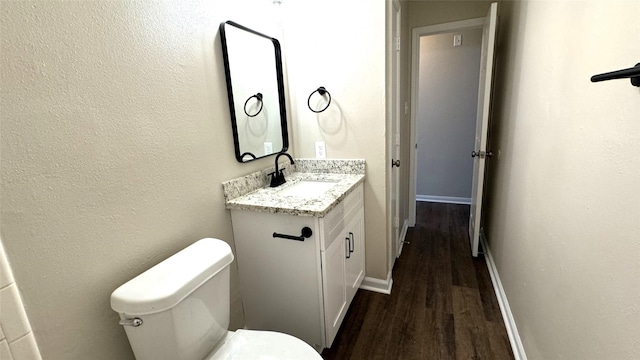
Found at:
[398, 43]
[396, 222]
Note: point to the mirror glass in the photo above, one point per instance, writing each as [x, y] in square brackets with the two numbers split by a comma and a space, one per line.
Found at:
[255, 86]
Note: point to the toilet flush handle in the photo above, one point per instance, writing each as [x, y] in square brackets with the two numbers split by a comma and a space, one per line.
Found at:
[135, 322]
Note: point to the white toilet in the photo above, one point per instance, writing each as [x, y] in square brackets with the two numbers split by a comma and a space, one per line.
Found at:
[179, 309]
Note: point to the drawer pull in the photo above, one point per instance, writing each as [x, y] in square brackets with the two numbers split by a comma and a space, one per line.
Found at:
[348, 246]
[305, 233]
[352, 242]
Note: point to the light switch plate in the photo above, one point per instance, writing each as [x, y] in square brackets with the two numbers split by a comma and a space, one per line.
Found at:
[457, 39]
[268, 148]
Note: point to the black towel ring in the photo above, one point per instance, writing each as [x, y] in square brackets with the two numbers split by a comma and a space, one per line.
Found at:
[321, 90]
[258, 97]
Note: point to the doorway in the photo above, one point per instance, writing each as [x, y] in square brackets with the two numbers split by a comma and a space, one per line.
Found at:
[448, 77]
[479, 152]
[417, 34]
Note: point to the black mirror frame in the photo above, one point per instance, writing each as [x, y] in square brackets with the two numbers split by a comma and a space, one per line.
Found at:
[281, 98]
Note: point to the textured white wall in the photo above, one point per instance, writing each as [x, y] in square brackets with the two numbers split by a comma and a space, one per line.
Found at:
[341, 45]
[564, 200]
[115, 140]
[446, 118]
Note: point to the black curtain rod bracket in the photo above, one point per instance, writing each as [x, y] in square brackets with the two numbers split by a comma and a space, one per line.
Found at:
[630, 73]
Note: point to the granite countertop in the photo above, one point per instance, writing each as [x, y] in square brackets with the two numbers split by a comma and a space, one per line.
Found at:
[268, 199]
[252, 193]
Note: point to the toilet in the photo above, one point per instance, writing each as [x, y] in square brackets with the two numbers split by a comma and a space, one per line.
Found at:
[179, 309]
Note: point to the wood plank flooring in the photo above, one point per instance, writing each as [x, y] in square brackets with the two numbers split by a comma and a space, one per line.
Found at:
[442, 304]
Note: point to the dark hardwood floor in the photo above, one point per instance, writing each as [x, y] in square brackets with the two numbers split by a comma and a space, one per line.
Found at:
[442, 305]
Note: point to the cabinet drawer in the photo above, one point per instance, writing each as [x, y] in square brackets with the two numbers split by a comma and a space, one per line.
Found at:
[333, 223]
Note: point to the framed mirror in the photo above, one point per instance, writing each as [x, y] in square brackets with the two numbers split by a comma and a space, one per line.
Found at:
[255, 87]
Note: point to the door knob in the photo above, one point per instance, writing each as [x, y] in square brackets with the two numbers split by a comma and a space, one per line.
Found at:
[395, 163]
[481, 154]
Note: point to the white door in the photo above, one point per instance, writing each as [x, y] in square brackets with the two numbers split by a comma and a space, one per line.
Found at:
[395, 142]
[482, 125]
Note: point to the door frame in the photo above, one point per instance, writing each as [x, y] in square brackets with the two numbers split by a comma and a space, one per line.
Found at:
[393, 141]
[416, 34]
[397, 31]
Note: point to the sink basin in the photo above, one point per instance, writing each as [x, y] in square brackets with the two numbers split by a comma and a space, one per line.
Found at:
[307, 188]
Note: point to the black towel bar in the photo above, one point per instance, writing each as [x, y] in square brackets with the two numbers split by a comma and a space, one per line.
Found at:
[632, 73]
[306, 232]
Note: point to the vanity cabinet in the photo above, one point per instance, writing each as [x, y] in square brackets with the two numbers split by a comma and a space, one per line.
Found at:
[303, 288]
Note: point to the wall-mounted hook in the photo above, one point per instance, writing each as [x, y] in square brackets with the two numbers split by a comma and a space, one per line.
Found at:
[322, 91]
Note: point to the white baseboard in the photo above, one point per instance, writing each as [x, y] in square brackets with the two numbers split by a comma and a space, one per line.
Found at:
[403, 235]
[507, 316]
[444, 199]
[378, 285]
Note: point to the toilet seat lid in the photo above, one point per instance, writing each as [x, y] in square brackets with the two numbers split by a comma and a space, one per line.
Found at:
[266, 345]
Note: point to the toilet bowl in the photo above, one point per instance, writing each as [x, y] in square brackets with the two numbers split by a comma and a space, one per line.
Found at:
[179, 309]
[254, 344]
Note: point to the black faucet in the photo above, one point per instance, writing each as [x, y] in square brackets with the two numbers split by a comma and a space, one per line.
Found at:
[277, 177]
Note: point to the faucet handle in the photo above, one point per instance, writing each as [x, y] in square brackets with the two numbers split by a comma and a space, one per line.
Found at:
[275, 179]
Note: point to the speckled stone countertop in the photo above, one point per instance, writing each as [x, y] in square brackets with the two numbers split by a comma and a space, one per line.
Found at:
[252, 192]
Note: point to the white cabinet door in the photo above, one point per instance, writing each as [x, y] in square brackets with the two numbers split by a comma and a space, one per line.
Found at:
[334, 285]
[279, 278]
[355, 262]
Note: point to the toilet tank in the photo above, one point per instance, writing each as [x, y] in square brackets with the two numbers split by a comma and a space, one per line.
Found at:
[183, 303]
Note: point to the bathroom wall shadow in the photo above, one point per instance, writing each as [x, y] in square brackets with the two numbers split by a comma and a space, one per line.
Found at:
[331, 123]
[255, 131]
[259, 124]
